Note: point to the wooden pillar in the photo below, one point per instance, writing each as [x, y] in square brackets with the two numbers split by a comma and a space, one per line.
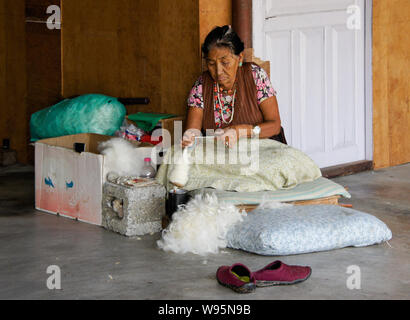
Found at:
[391, 96]
[242, 20]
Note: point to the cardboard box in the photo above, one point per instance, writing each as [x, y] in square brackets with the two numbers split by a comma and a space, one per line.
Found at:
[70, 183]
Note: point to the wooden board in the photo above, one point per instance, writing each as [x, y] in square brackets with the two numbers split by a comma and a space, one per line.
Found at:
[13, 85]
[391, 94]
[346, 169]
[179, 59]
[173, 129]
[327, 200]
[128, 48]
[213, 13]
[333, 200]
[43, 60]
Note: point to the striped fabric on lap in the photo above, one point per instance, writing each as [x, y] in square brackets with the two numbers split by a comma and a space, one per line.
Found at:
[320, 188]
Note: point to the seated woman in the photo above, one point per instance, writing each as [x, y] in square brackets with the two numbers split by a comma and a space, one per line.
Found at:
[233, 98]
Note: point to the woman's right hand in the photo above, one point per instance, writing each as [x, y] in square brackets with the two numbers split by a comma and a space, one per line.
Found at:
[189, 137]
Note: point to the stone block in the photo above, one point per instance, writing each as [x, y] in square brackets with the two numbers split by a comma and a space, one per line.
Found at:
[133, 210]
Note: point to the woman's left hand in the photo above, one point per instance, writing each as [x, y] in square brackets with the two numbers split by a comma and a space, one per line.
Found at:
[229, 137]
[232, 134]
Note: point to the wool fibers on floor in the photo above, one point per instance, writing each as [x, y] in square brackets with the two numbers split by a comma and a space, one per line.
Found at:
[200, 227]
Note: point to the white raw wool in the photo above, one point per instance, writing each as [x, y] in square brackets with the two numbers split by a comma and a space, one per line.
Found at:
[179, 174]
[200, 226]
[121, 157]
[272, 205]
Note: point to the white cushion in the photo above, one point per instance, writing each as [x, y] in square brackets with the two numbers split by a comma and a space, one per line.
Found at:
[302, 229]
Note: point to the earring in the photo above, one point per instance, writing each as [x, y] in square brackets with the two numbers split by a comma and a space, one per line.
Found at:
[240, 64]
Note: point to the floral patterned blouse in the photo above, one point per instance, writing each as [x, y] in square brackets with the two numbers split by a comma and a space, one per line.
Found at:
[263, 86]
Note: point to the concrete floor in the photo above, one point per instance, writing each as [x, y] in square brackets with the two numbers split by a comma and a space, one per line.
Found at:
[98, 264]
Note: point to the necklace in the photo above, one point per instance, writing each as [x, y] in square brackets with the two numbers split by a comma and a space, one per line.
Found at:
[230, 91]
[230, 100]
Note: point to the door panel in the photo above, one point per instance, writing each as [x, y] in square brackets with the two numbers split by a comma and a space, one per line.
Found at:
[280, 63]
[288, 7]
[310, 76]
[317, 69]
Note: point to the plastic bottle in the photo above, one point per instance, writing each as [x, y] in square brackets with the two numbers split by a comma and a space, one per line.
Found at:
[148, 171]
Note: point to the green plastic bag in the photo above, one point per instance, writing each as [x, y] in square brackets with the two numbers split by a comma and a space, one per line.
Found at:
[89, 113]
[148, 121]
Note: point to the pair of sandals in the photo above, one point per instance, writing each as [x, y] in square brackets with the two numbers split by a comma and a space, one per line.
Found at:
[239, 278]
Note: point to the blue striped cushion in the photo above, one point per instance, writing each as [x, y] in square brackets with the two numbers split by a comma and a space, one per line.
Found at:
[320, 188]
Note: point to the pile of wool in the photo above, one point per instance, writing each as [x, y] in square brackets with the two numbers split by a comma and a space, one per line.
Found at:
[269, 204]
[179, 174]
[200, 226]
[121, 157]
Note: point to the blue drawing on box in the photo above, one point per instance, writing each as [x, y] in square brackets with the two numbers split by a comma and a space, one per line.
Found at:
[49, 182]
[69, 185]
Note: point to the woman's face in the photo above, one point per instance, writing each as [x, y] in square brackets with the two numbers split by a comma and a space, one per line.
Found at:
[223, 65]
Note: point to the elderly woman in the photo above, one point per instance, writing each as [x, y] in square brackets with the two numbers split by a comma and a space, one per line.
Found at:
[232, 99]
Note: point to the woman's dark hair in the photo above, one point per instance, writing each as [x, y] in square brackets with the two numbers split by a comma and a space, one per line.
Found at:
[223, 37]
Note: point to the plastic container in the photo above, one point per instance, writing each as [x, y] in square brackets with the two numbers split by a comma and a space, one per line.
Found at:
[148, 171]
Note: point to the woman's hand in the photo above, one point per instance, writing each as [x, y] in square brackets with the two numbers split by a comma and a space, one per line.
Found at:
[231, 134]
[228, 136]
[189, 137]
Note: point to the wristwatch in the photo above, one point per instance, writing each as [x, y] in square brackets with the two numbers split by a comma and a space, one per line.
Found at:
[256, 131]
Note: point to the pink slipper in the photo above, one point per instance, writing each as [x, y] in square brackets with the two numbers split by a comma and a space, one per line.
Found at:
[237, 277]
[279, 273]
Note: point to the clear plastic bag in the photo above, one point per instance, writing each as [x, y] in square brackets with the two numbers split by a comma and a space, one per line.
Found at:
[130, 132]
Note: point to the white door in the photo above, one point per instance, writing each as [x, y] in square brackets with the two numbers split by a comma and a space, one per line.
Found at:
[317, 53]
